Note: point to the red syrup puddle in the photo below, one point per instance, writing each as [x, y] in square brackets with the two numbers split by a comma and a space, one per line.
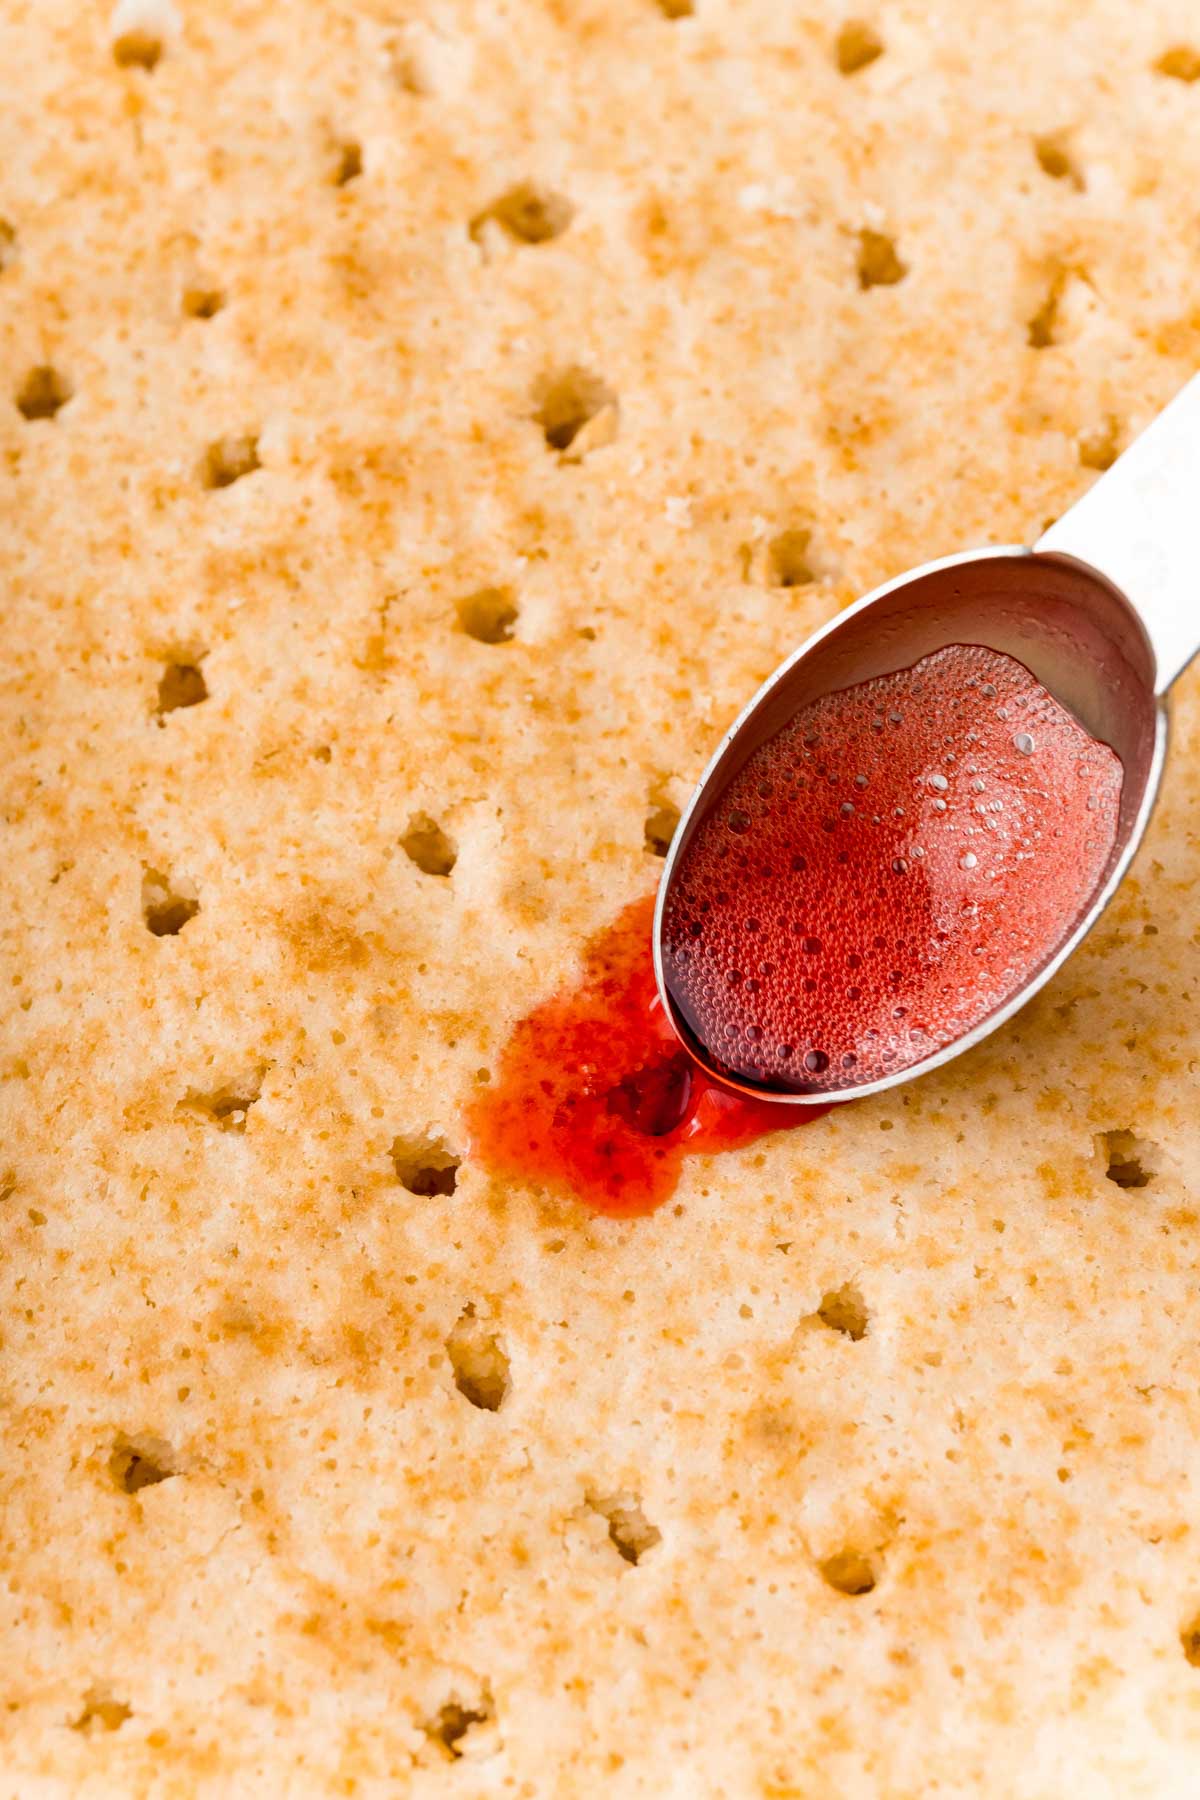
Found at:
[595, 1094]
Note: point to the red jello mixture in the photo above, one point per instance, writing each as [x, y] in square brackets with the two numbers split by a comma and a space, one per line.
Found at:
[595, 1095]
[886, 871]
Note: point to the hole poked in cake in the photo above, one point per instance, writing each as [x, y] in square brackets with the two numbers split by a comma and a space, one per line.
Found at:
[1044, 326]
[628, 1527]
[101, 1711]
[879, 262]
[169, 902]
[1054, 158]
[346, 162]
[1189, 1639]
[1129, 1161]
[662, 822]
[201, 300]
[43, 393]
[141, 1462]
[8, 245]
[478, 1360]
[427, 845]
[226, 1106]
[849, 1572]
[228, 459]
[576, 410]
[424, 1166]
[1180, 63]
[488, 615]
[181, 683]
[137, 49]
[529, 214]
[140, 32]
[676, 9]
[1069, 309]
[856, 46]
[788, 561]
[459, 1725]
[844, 1310]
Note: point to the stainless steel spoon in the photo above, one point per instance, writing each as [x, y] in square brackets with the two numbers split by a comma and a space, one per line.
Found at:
[1104, 611]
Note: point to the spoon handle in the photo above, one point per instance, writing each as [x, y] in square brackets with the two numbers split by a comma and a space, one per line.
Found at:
[1139, 527]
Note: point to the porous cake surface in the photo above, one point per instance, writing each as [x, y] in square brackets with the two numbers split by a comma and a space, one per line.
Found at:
[423, 425]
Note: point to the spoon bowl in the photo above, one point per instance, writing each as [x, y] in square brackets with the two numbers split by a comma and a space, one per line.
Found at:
[1070, 627]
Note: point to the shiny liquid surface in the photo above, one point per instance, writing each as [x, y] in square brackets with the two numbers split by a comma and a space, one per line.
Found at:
[886, 871]
[595, 1096]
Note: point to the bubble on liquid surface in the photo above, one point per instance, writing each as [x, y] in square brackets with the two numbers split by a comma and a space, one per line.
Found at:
[1023, 742]
[917, 926]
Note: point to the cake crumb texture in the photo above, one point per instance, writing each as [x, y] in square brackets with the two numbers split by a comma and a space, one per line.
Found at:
[423, 425]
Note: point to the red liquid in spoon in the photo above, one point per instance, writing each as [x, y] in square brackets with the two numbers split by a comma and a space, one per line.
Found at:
[886, 871]
[595, 1095]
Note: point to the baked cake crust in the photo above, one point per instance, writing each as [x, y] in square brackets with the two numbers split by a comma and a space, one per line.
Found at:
[423, 426]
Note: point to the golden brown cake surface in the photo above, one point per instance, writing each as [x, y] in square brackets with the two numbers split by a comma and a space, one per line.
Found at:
[422, 426]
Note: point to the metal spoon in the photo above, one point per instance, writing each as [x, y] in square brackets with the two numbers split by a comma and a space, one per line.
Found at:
[1104, 611]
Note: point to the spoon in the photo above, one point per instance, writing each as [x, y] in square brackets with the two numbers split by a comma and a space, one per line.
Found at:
[1104, 611]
